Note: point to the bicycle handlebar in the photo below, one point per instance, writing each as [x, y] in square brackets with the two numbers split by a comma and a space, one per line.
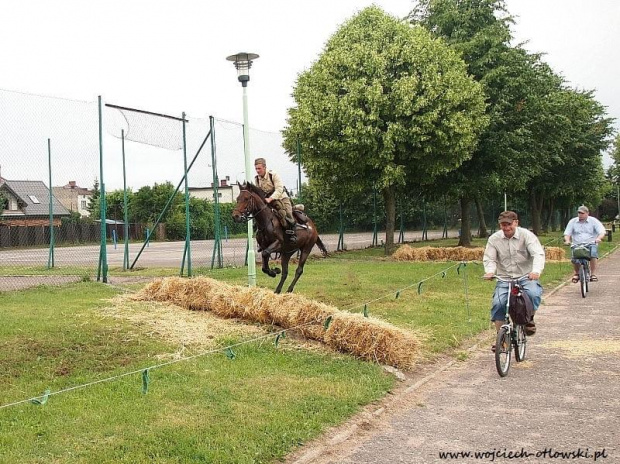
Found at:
[510, 279]
[575, 245]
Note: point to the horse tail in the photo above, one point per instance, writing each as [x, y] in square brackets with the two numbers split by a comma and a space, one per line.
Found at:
[319, 243]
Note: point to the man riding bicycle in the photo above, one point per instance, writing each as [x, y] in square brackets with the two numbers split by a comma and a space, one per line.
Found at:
[512, 252]
[587, 231]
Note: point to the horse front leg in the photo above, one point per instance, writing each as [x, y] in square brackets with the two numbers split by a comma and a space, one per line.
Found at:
[266, 254]
[285, 259]
[300, 269]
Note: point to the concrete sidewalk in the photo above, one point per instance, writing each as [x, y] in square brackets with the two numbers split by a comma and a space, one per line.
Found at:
[561, 404]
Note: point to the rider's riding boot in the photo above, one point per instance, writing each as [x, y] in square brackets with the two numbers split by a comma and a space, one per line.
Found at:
[290, 232]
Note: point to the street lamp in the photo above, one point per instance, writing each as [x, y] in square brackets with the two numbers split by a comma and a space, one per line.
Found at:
[243, 63]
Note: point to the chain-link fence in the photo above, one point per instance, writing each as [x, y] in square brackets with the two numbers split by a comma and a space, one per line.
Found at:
[169, 184]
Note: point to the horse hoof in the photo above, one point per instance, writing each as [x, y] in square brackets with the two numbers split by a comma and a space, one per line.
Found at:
[276, 270]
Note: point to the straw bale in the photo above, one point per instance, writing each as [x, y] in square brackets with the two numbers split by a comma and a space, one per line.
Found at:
[555, 253]
[372, 339]
[367, 338]
[407, 253]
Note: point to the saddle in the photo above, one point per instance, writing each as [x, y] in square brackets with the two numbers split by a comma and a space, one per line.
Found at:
[299, 214]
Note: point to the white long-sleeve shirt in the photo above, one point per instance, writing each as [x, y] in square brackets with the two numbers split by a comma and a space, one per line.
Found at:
[515, 256]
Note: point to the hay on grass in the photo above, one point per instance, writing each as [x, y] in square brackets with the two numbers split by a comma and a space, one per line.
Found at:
[367, 338]
[555, 253]
[408, 253]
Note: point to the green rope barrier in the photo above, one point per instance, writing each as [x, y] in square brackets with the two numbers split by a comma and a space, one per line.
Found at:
[42, 399]
[146, 379]
[279, 336]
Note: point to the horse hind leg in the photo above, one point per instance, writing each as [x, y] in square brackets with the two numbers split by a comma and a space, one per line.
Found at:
[285, 259]
[300, 269]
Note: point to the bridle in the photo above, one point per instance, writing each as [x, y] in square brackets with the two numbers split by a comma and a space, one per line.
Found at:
[246, 215]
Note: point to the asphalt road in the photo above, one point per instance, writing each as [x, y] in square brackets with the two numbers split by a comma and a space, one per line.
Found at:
[170, 254]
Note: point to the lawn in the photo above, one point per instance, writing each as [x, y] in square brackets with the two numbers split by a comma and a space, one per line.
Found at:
[89, 345]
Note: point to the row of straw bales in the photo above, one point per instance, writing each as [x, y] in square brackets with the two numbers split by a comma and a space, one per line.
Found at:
[368, 338]
[408, 253]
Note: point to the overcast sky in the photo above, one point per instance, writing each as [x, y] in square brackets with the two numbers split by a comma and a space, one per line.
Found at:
[170, 56]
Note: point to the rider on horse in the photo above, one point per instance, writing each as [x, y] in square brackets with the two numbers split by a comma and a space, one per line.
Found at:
[276, 197]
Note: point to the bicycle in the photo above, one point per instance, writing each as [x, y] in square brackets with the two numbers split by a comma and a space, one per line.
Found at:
[510, 335]
[580, 255]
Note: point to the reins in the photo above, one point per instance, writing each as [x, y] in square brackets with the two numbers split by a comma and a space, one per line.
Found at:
[247, 214]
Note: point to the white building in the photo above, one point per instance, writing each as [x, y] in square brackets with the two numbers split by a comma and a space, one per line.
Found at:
[225, 193]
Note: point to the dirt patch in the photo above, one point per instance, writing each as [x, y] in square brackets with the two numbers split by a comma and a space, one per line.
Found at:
[579, 348]
[12, 283]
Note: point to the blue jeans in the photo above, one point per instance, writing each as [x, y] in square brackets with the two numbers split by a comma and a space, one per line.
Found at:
[498, 305]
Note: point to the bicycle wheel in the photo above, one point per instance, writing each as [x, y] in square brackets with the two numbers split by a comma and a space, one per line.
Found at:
[503, 352]
[582, 280]
[520, 343]
[587, 272]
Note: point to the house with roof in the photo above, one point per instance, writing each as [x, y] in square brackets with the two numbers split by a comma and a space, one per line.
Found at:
[73, 197]
[226, 193]
[28, 204]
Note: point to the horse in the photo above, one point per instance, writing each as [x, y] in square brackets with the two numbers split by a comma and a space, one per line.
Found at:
[270, 234]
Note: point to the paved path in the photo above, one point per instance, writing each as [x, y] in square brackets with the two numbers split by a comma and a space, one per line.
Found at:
[565, 398]
[170, 254]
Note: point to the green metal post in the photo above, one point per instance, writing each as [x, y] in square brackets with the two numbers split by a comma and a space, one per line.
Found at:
[445, 219]
[401, 235]
[103, 257]
[375, 240]
[299, 198]
[50, 259]
[618, 194]
[424, 226]
[340, 246]
[188, 251]
[161, 215]
[217, 242]
[125, 209]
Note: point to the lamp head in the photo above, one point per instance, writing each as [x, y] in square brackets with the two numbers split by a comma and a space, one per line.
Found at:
[243, 63]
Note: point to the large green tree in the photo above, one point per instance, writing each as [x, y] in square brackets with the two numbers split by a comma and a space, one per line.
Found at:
[479, 30]
[385, 105]
[571, 142]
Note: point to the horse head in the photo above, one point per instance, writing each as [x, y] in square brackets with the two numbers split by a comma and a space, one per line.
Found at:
[249, 202]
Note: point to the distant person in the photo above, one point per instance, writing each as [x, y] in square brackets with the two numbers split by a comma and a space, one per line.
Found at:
[588, 231]
[276, 196]
[513, 252]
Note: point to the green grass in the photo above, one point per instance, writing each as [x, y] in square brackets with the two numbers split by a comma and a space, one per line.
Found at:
[254, 408]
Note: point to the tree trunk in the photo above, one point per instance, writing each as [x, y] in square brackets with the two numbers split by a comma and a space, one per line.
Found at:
[389, 198]
[482, 229]
[535, 212]
[465, 236]
[551, 223]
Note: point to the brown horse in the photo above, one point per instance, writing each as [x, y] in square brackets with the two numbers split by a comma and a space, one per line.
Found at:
[271, 238]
